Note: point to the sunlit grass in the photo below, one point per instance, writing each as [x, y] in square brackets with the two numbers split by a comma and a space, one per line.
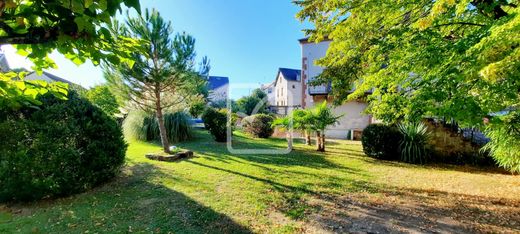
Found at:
[220, 192]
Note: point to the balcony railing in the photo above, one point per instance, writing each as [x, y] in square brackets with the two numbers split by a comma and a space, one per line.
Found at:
[319, 89]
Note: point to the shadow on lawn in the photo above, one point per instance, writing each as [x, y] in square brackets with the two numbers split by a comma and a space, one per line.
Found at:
[130, 204]
[399, 209]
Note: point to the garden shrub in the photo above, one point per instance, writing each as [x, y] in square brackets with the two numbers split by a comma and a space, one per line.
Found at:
[381, 141]
[60, 148]
[144, 127]
[504, 144]
[259, 125]
[413, 146]
[216, 123]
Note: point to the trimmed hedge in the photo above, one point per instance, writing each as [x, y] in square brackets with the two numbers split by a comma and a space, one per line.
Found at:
[63, 147]
[259, 125]
[381, 141]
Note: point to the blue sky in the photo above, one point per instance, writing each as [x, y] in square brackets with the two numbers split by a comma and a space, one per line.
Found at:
[246, 41]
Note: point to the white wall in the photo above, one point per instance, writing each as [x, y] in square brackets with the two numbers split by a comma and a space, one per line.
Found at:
[352, 111]
[271, 95]
[287, 93]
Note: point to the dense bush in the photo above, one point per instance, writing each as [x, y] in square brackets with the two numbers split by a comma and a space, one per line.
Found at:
[413, 146]
[142, 126]
[259, 125]
[60, 148]
[216, 123]
[504, 144]
[381, 141]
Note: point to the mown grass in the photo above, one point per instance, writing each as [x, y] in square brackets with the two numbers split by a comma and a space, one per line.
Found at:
[304, 191]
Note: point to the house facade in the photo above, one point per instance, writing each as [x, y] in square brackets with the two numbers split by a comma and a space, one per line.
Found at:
[218, 87]
[353, 120]
[268, 89]
[287, 90]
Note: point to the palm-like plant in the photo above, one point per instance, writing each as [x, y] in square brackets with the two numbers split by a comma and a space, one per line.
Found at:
[303, 122]
[414, 142]
[285, 123]
[321, 118]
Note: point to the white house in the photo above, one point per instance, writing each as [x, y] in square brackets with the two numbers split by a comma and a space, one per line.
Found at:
[353, 120]
[287, 90]
[269, 90]
[218, 87]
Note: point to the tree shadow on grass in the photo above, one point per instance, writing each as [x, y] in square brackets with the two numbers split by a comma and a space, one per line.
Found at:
[369, 207]
[130, 204]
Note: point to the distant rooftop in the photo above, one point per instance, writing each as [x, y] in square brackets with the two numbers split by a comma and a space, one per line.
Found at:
[214, 82]
[290, 74]
[306, 40]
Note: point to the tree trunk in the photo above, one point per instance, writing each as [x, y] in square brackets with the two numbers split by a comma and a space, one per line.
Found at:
[318, 139]
[307, 137]
[289, 141]
[323, 142]
[160, 120]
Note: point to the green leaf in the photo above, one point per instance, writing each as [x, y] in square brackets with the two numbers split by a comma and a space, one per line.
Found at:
[134, 4]
[88, 3]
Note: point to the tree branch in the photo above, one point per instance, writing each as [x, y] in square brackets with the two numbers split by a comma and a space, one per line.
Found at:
[459, 23]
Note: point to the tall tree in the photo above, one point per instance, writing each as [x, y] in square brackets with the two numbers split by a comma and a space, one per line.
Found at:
[163, 76]
[453, 59]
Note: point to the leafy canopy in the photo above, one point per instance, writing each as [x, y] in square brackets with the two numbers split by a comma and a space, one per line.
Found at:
[79, 29]
[453, 59]
[15, 92]
[102, 97]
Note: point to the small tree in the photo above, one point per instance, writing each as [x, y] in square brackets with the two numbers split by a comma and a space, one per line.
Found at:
[163, 76]
[322, 117]
[303, 122]
[284, 124]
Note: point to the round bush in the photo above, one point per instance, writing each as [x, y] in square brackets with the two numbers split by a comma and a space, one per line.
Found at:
[259, 125]
[216, 123]
[381, 141]
[60, 148]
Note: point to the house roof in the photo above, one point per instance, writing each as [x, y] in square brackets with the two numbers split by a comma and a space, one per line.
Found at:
[306, 40]
[290, 74]
[50, 76]
[214, 82]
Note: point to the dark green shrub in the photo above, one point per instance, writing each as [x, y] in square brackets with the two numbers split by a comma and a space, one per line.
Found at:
[144, 127]
[216, 123]
[61, 148]
[259, 125]
[381, 141]
[413, 146]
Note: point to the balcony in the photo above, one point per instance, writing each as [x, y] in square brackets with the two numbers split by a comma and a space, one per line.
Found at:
[319, 89]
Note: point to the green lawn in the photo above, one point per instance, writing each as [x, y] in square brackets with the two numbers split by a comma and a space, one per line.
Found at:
[305, 191]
